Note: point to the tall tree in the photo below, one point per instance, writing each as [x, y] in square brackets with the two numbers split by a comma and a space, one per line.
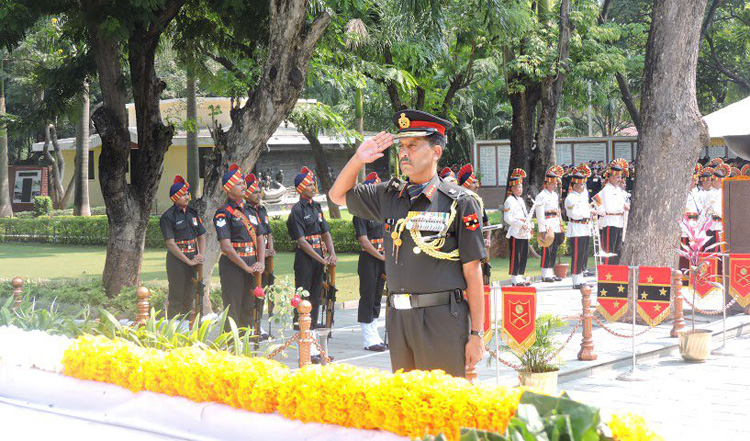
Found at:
[265, 48]
[81, 199]
[6, 209]
[671, 127]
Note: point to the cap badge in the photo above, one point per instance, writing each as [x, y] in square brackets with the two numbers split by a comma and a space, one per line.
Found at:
[404, 122]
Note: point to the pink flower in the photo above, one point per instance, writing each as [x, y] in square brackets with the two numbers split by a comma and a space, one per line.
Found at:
[258, 292]
[295, 300]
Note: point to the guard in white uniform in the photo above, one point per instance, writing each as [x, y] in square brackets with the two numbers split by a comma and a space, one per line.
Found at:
[715, 208]
[611, 204]
[520, 228]
[693, 209]
[579, 229]
[549, 219]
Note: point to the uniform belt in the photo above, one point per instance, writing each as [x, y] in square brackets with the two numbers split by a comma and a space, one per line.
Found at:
[614, 214]
[716, 218]
[314, 240]
[551, 213]
[186, 246]
[412, 301]
[377, 243]
[579, 221]
[691, 216]
[244, 249]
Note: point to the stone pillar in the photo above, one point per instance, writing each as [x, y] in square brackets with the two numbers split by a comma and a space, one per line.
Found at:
[143, 306]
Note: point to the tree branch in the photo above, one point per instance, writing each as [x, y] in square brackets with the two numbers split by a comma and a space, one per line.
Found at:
[710, 16]
[627, 98]
[604, 12]
[228, 65]
[736, 78]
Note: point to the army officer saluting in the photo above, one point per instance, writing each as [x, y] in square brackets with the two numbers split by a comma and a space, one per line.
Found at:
[433, 248]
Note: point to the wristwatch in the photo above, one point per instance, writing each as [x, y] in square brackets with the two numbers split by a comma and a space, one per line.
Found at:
[479, 334]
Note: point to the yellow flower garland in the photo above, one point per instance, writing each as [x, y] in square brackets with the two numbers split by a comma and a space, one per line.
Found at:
[411, 404]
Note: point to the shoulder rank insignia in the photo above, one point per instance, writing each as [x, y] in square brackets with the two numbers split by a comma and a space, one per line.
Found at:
[471, 222]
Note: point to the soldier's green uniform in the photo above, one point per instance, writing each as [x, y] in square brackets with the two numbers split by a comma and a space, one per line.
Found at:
[432, 330]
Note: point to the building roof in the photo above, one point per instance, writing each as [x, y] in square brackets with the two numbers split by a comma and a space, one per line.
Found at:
[732, 120]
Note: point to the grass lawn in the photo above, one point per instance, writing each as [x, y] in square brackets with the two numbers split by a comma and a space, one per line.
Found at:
[43, 261]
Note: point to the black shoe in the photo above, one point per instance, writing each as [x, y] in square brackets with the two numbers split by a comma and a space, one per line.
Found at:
[380, 347]
[557, 279]
[526, 284]
[264, 336]
[318, 359]
[548, 279]
[588, 273]
[579, 286]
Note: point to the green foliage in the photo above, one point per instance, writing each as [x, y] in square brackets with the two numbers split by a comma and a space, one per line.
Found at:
[55, 319]
[42, 206]
[317, 118]
[538, 358]
[541, 417]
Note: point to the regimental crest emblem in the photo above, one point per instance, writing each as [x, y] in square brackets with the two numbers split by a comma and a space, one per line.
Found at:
[404, 122]
[519, 318]
[612, 291]
[739, 278]
[471, 222]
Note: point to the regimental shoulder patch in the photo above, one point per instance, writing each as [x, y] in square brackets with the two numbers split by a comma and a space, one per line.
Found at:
[471, 222]
[221, 222]
[195, 221]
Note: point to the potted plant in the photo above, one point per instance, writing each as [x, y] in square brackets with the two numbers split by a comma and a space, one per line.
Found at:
[695, 344]
[538, 369]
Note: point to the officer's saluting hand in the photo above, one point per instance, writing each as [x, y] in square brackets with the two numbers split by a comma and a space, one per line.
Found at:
[433, 247]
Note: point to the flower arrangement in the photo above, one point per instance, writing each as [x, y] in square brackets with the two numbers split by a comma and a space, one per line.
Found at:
[698, 254]
[629, 427]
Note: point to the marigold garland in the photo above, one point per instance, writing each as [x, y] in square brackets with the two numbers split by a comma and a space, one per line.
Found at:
[411, 404]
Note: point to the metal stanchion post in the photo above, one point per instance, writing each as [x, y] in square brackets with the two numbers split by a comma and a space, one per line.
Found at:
[497, 338]
[722, 349]
[634, 374]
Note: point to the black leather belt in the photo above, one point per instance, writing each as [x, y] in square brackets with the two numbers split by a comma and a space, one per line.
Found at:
[716, 218]
[412, 301]
[580, 221]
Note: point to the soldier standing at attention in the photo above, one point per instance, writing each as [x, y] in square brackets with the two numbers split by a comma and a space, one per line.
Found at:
[611, 205]
[258, 216]
[183, 232]
[579, 229]
[549, 219]
[242, 253]
[371, 268]
[520, 228]
[468, 180]
[307, 226]
[433, 248]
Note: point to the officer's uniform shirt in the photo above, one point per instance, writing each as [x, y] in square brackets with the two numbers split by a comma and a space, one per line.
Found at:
[182, 226]
[714, 201]
[374, 231]
[579, 211]
[548, 211]
[610, 206]
[259, 218]
[307, 220]
[419, 273]
[230, 226]
[515, 214]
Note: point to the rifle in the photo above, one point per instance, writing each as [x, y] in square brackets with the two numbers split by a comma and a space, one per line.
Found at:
[270, 279]
[200, 289]
[328, 297]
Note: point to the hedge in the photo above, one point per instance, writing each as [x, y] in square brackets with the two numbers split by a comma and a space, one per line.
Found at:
[76, 230]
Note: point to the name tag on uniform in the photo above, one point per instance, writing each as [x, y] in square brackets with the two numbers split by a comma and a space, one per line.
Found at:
[427, 221]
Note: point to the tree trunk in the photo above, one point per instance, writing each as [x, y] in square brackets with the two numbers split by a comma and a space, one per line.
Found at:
[129, 205]
[671, 136]
[323, 171]
[6, 209]
[551, 94]
[522, 128]
[291, 44]
[193, 174]
[359, 125]
[56, 162]
[81, 201]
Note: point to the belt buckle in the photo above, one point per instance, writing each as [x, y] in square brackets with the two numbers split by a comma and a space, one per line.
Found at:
[401, 301]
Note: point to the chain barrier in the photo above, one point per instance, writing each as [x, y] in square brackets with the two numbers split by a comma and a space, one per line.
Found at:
[578, 319]
[709, 312]
[322, 352]
[286, 344]
[615, 333]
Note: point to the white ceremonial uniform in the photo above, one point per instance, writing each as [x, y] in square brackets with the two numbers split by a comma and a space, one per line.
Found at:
[578, 209]
[610, 206]
[548, 211]
[693, 209]
[514, 214]
[715, 206]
